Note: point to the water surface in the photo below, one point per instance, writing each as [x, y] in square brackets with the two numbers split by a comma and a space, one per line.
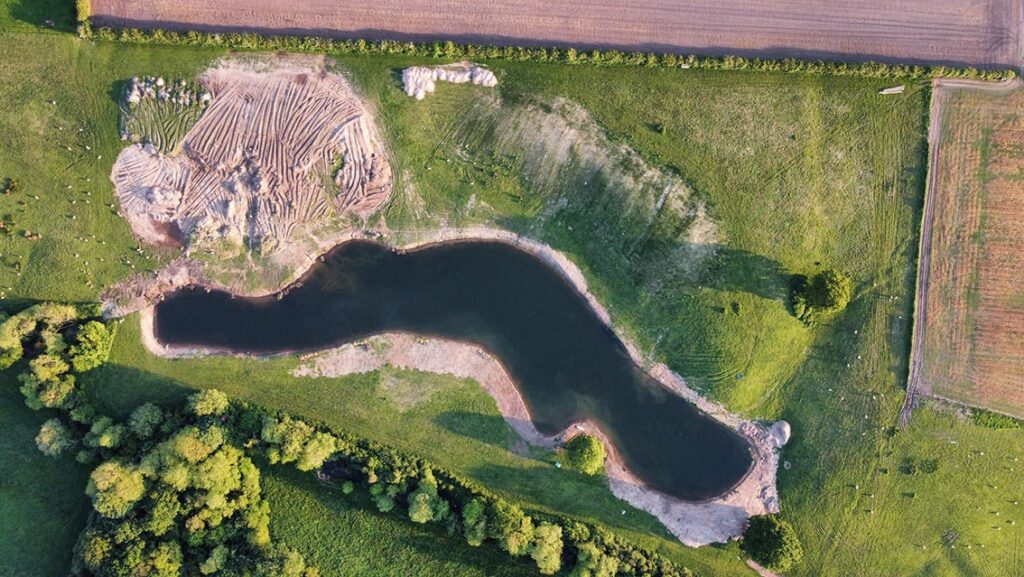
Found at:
[567, 364]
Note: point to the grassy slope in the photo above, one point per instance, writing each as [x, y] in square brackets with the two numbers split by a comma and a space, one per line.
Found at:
[796, 170]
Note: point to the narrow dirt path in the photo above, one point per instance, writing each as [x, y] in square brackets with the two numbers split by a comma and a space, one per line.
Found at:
[941, 89]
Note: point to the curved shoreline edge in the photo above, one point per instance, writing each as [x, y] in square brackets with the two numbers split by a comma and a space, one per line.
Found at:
[693, 523]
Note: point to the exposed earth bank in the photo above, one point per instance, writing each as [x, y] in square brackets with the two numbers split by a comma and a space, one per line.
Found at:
[695, 524]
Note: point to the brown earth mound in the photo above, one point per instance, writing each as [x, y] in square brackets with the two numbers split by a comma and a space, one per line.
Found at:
[284, 150]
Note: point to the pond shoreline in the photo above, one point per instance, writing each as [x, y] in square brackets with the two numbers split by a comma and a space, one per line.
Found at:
[693, 523]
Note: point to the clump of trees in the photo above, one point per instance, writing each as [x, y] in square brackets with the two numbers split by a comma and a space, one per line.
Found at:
[828, 291]
[773, 543]
[585, 453]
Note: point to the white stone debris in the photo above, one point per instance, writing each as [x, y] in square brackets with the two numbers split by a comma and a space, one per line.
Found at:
[418, 81]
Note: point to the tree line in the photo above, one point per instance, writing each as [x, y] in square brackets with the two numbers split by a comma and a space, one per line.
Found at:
[449, 51]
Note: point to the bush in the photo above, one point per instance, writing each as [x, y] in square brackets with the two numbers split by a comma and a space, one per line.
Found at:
[773, 543]
[585, 453]
[54, 438]
[209, 402]
[92, 348]
[992, 420]
[83, 9]
[828, 291]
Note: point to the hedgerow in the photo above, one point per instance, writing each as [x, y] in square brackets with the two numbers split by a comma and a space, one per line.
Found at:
[449, 50]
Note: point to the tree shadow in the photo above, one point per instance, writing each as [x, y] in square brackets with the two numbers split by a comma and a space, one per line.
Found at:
[38, 12]
[117, 390]
[430, 539]
[587, 497]
[489, 429]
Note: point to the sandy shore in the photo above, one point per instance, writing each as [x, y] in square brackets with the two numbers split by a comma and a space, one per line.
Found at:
[694, 524]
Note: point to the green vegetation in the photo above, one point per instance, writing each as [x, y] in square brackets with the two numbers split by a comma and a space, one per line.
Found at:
[772, 542]
[834, 176]
[993, 420]
[585, 453]
[826, 292]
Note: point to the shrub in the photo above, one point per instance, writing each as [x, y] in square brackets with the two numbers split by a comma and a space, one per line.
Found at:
[992, 420]
[585, 453]
[92, 348]
[83, 9]
[828, 291]
[773, 543]
[208, 402]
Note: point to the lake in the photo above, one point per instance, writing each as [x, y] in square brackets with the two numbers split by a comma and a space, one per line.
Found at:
[568, 365]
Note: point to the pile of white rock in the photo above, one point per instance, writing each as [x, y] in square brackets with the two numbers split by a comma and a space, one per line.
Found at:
[156, 88]
[419, 80]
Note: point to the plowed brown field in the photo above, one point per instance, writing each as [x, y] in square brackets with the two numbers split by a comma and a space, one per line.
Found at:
[977, 32]
[974, 333]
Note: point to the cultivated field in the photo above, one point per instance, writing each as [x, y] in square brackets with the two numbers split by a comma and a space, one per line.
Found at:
[974, 333]
[976, 32]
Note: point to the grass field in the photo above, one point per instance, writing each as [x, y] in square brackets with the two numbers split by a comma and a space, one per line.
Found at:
[796, 173]
[974, 341]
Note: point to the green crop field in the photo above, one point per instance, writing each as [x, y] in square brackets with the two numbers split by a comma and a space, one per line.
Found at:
[787, 173]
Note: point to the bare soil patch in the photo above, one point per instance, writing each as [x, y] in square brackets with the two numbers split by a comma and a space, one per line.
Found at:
[976, 32]
[973, 330]
[284, 153]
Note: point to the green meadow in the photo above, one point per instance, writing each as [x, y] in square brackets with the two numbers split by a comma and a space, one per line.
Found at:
[772, 175]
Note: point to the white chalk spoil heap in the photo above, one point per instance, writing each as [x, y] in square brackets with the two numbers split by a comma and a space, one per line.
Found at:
[419, 80]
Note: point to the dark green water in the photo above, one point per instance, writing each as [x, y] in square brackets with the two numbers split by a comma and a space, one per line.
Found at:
[567, 364]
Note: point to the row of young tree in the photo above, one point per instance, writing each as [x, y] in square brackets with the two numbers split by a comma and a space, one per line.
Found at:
[450, 51]
[175, 490]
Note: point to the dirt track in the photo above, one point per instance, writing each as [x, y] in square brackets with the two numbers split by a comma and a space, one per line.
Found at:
[977, 32]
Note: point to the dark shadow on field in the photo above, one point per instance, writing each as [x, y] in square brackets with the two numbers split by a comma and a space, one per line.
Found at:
[740, 270]
[430, 539]
[587, 496]
[489, 429]
[37, 12]
[117, 390]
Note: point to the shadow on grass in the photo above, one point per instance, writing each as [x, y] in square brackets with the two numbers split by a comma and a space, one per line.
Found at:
[489, 429]
[38, 12]
[588, 497]
[117, 390]
[430, 540]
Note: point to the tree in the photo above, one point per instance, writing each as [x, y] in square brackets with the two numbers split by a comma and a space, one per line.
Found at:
[424, 503]
[115, 488]
[547, 548]
[208, 402]
[772, 542]
[54, 438]
[145, 420]
[474, 521]
[585, 453]
[592, 562]
[92, 348]
[829, 291]
[510, 527]
[104, 434]
[55, 393]
[318, 448]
